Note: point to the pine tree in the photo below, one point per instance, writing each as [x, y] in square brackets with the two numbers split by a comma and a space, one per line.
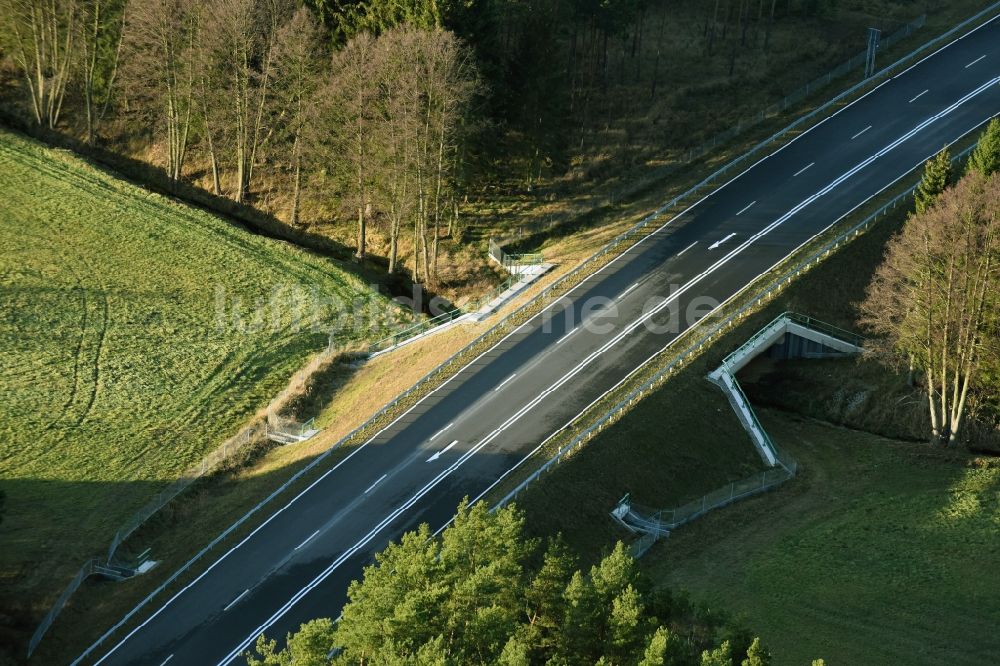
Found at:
[661, 649]
[937, 173]
[757, 655]
[720, 656]
[985, 158]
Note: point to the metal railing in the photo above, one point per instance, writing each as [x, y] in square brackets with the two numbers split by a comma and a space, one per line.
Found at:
[417, 329]
[542, 297]
[801, 319]
[775, 286]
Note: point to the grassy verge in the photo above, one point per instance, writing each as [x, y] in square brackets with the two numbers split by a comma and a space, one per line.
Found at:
[138, 334]
[877, 553]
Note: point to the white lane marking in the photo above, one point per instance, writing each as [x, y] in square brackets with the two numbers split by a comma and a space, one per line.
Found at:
[438, 454]
[919, 96]
[501, 384]
[369, 489]
[745, 209]
[860, 133]
[653, 216]
[803, 169]
[164, 663]
[622, 295]
[440, 432]
[681, 253]
[975, 61]
[717, 243]
[128, 616]
[233, 602]
[308, 539]
[568, 334]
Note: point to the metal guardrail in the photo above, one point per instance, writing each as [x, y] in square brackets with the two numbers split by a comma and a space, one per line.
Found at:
[804, 320]
[611, 246]
[775, 286]
[804, 91]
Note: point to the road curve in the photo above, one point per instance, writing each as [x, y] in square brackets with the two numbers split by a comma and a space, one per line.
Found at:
[457, 441]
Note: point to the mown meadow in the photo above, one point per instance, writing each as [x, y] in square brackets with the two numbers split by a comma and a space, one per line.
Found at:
[136, 334]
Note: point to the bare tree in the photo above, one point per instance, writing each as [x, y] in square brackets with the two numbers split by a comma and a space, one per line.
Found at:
[350, 116]
[160, 70]
[935, 300]
[39, 35]
[298, 58]
[101, 29]
[243, 34]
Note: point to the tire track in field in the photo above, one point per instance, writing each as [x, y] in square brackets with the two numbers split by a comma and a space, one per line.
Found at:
[73, 264]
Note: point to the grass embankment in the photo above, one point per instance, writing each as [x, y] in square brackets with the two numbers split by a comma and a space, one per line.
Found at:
[876, 553]
[879, 552]
[118, 371]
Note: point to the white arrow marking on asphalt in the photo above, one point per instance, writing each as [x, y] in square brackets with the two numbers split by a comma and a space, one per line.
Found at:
[232, 603]
[716, 244]
[375, 484]
[438, 454]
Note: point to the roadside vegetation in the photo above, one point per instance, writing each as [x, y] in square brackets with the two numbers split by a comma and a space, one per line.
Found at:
[138, 334]
[483, 593]
[409, 132]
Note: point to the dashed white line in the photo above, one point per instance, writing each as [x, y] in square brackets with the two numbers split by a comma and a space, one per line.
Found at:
[369, 489]
[803, 169]
[975, 61]
[166, 660]
[747, 207]
[860, 133]
[501, 384]
[681, 253]
[919, 96]
[231, 603]
[308, 539]
[622, 295]
[440, 432]
[568, 334]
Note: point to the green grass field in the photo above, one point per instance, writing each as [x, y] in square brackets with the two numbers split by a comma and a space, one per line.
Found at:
[880, 552]
[116, 369]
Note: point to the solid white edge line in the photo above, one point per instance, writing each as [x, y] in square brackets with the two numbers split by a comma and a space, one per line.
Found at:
[621, 335]
[860, 133]
[380, 479]
[146, 600]
[803, 169]
[233, 602]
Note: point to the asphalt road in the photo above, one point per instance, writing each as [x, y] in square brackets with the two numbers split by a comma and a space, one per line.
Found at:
[464, 436]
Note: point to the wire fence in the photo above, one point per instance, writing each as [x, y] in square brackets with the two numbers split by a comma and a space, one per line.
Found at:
[710, 332]
[551, 293]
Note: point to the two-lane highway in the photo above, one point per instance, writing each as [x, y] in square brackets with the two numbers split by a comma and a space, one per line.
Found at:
[465, 435]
